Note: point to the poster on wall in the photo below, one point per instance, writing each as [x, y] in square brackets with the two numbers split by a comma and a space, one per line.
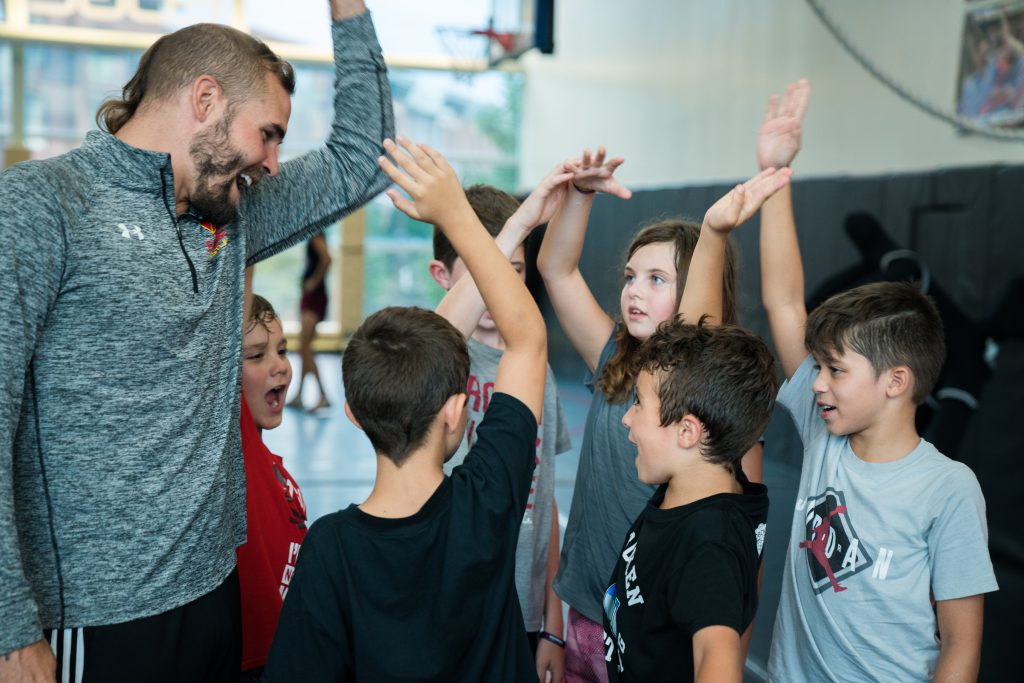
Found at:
[991, 80]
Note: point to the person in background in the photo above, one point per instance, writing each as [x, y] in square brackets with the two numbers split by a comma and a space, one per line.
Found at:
[312, 310]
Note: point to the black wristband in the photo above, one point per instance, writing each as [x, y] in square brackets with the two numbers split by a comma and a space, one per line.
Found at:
[552, 638]
[581, 191]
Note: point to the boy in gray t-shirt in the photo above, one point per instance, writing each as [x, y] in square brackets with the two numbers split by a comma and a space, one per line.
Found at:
[537, 549]
[871, 544]
[888, 559]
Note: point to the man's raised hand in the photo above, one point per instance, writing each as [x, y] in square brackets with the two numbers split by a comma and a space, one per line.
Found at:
[778, 139]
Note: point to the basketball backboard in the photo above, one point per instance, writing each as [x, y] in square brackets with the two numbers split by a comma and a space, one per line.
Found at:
[522, 25]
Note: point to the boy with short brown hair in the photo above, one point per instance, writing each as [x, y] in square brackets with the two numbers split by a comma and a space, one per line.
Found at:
[889, 543]
[416, 583]
[685, 589]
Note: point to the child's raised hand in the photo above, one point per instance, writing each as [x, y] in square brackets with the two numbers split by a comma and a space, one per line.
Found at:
[778, 139]
[436, 194]
[594, 174]
[542, 203]
[743, 201]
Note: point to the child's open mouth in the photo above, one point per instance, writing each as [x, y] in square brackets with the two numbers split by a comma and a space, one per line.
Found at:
[826, 410]
[275, 397]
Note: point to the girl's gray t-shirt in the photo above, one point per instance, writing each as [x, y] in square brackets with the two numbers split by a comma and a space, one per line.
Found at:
[552, 439]
[607, 499]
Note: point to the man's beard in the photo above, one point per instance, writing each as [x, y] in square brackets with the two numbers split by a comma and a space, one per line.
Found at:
[213, 156]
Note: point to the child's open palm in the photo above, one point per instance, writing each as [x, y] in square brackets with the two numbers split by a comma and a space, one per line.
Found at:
[433, 186]
[778, 139]
[743, 201]
[542, 203]
[594, 174]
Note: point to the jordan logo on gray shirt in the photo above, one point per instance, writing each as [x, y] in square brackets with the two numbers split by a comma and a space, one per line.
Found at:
[834, 552]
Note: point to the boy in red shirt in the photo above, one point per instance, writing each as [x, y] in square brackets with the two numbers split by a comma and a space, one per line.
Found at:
[275, 509]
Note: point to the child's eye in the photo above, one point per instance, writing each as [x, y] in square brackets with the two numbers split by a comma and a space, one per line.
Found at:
[254, 356]
[834, 370]
[657, 279]
[630, 277]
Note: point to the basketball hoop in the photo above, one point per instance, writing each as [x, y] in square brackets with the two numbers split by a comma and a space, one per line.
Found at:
[507, 41]
[474, 50]
[468, 51]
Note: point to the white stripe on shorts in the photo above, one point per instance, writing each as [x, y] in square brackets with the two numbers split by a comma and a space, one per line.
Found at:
[69, 643]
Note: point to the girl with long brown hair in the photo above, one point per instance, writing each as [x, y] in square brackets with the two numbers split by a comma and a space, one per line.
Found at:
[608, 496]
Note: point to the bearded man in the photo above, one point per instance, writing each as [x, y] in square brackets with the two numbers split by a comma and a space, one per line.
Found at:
[122, 492]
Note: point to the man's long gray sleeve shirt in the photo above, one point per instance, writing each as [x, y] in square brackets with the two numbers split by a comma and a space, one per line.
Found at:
[122, 486]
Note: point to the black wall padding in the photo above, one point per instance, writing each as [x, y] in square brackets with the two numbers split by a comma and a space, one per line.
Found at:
[994, 448]
[967, 224]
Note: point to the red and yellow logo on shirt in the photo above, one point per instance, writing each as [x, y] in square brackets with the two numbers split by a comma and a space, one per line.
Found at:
[218, 238]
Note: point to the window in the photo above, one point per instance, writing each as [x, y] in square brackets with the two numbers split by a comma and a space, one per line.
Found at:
[63, 88]
[5, 93]
[474, 123]
[147, 16]
[406, 28]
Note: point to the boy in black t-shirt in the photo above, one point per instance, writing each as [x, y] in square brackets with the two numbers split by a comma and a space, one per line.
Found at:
[684, 588]
[417, 583]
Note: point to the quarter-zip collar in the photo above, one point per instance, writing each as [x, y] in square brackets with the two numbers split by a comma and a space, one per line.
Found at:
[137, 170]
[124, 165]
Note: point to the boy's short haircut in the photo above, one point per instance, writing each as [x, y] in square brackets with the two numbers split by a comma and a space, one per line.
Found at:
[724, 376]
[398, 370]
[261, 312]
[889, 323]
[492, 206]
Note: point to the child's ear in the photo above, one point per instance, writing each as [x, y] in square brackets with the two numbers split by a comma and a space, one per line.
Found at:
[900, 381]
[440, 273]
[351, 417]
[452, 412]
[690, 432]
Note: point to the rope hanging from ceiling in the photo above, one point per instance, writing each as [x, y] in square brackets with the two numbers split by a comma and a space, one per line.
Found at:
[962, 124]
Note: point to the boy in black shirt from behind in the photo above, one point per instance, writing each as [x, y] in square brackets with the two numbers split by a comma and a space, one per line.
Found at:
[417, 582]
[684, 589]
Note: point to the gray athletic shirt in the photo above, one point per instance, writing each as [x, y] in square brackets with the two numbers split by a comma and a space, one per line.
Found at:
[552, 439]
[607, 499]
[869, 546]
[122, 490]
